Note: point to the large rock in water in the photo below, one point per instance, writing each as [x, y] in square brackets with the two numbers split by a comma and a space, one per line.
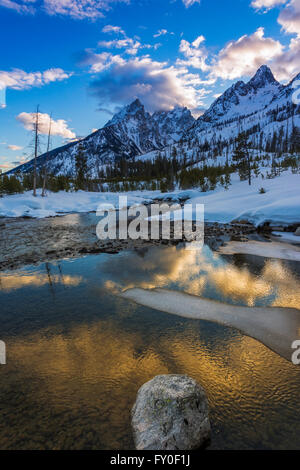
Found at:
[297, 233]
[170, 413]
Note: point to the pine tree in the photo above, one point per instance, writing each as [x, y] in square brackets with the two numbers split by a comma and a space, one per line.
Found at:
[81, 169]
[295, 140]
[242, 157]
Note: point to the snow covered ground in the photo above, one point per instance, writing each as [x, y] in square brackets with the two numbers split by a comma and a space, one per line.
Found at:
[280, 203]
[25, 205]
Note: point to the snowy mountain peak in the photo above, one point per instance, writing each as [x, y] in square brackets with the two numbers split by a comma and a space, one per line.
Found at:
[134, 109]
[262, 108]
[242, 98]
[172, 124]
[263, 77]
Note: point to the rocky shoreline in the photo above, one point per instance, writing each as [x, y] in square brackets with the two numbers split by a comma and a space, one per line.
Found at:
[26, 241]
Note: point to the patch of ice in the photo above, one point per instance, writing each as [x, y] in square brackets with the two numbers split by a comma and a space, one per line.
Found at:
[267, 250]
[275, 327]
[287, 237]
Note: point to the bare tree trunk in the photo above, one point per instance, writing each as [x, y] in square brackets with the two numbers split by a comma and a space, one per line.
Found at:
[44, 185]
[36, 141]
[45, 169]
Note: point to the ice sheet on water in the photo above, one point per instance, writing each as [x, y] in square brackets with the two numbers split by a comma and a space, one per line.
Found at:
[275, 327]
[270, 250]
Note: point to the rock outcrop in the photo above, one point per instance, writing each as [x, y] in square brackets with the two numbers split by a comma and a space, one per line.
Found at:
[171, 413]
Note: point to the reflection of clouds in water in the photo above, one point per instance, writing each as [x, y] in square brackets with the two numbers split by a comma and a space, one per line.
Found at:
[285, 282]
[90, 377]
[157, 267]
[239, 284]
[193, 271]
[14, 281]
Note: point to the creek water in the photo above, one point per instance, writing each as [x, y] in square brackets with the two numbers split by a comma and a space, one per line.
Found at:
[77, 352]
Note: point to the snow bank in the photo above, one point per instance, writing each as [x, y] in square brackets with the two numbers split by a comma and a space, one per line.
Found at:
[280, 204]
[21, 205]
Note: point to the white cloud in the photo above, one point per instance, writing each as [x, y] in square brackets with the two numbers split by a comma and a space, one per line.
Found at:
[287, 65]
[267, 4]
[155, 83]
[196, 56]
[244, 56]
[100, 62]
[14, 147]
[59, 127]
[160, 32]
[77, 9]
[189, 3]
[289, 18]
[18, 79]
[113, 29]
[131, 46]
[20, 6]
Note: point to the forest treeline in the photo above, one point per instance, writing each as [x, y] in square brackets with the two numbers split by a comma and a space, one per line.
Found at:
[164, 173]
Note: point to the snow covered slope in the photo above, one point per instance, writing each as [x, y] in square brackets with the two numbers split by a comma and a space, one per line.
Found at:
[173, 124]
[130, 133]
[262, 108]
[280, 204]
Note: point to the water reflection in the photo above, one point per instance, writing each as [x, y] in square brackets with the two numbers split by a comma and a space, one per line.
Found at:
[75, 390]
[76, 360]
[206, 273]
[11, 281]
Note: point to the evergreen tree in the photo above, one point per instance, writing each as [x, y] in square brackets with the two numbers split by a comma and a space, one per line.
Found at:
[295, 140]
[242, 157]
[81, 169]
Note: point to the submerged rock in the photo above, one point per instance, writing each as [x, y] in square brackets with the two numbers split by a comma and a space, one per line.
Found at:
[171, 413]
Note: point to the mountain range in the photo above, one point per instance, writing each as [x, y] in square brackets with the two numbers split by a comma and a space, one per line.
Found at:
[262, 108]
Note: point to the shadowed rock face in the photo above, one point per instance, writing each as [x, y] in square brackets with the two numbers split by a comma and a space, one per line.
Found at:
[171, 413]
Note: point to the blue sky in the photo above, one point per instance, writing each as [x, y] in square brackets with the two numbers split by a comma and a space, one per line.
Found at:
[81, 60]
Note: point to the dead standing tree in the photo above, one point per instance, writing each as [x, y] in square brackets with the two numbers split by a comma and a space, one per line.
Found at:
[36, 144]
[45, 167]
